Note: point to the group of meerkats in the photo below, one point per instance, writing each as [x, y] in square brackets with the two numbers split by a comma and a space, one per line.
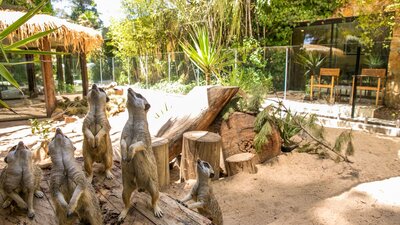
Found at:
[71, 190]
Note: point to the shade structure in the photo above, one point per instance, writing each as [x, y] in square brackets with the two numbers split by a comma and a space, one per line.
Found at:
[71, 38]
[75, 38]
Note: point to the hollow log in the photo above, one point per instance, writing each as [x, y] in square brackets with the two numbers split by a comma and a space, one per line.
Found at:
[242, 162]
[202, 145]
[160, 149]
[196, 111]
[238, 137]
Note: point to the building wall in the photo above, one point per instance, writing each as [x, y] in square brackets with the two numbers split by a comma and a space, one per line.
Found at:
[352, 8]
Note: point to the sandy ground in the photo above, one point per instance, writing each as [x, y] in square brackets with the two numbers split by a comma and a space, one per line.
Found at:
[294, 188]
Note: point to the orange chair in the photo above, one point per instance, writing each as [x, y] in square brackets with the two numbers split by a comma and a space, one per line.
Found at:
[374, 73]
[327, 72]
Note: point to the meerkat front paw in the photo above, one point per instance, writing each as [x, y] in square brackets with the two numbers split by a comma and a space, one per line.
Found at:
[39, 194]
[158, 212]
[182, 203]
[92, 142]
[31, 214]
[109, 175]
[6, 203]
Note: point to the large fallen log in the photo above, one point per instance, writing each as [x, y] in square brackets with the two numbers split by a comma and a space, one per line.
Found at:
[197, 111]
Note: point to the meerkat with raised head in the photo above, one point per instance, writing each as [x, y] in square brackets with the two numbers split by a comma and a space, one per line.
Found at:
[96, 133]
[20, 179]
[202, 194]
[71, 192]
[139, 168]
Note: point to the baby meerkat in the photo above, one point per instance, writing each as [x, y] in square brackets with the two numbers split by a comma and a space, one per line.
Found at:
[203, 195]
[68, 183]
[139, 168]
[21, 177]
[96, 133]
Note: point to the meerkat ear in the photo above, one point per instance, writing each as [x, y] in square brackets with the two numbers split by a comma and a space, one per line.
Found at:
[146, 106]
[107, 99]
[5, 159]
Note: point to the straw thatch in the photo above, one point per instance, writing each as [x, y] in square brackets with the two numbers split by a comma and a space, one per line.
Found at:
[75, 38]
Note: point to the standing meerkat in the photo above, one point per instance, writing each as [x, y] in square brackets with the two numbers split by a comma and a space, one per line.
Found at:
[203, 195]
[20, 177]
[68, 182]
[96, 133]
[139, 168]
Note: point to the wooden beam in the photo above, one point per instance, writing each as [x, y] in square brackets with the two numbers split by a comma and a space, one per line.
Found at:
[48, 80]
[69, 79]
[84, 73]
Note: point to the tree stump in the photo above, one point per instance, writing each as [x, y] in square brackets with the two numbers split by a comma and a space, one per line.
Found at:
[242, 162]
[200, 144]
[160, 149]
[238, 135]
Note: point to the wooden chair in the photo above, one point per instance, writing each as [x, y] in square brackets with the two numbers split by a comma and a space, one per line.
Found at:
[370, 73]
[327, 72]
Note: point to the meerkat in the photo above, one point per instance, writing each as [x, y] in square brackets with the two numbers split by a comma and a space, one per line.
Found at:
[68, 182]
[139, 168]
[203, 195]
[21, 177]
[96, 133]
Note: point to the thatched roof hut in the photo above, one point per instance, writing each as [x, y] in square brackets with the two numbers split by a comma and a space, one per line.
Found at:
[68, 37]
[75, 38]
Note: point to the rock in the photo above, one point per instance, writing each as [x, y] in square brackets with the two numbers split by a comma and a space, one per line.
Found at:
[70, 119]
[238, 135]
[57, 114]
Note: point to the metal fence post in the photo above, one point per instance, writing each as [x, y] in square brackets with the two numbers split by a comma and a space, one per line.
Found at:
[286, 72]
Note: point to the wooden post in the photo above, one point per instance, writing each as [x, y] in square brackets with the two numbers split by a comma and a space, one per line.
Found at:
[200, 144]
[30, 71]
[243, 162]
[311, 87]
[60, 72]
[48, 80]
[160, 149]
[84, 73]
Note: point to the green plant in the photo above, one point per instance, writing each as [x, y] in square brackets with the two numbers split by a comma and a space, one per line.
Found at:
[310, 61]
[290, 124]
[70, 88]
[15, 47]
[208, 56]
[374, 61]
[41, 128]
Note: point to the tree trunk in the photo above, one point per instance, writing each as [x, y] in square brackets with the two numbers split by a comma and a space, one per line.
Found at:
[69, 79]
[60, 72]
[48, 80]
[84, 73]
[30, 71]
[160, 149]
[238, 137]
[209, 101]
[202, 145]
[242, 162]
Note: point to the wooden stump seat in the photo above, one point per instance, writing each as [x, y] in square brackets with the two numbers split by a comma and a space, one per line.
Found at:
[160, 149]
[242, 162]
[202, 145]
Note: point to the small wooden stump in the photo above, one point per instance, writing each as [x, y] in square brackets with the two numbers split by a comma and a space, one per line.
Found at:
[200, 144]
[242, 162]
[160, 149]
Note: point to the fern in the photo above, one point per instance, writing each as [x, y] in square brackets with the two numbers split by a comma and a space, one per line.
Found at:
[262, 136]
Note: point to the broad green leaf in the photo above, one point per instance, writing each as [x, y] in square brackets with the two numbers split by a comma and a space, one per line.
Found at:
[28, 40]
[6, 106]
[22, 20]
[7, 75]
[34, 52]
